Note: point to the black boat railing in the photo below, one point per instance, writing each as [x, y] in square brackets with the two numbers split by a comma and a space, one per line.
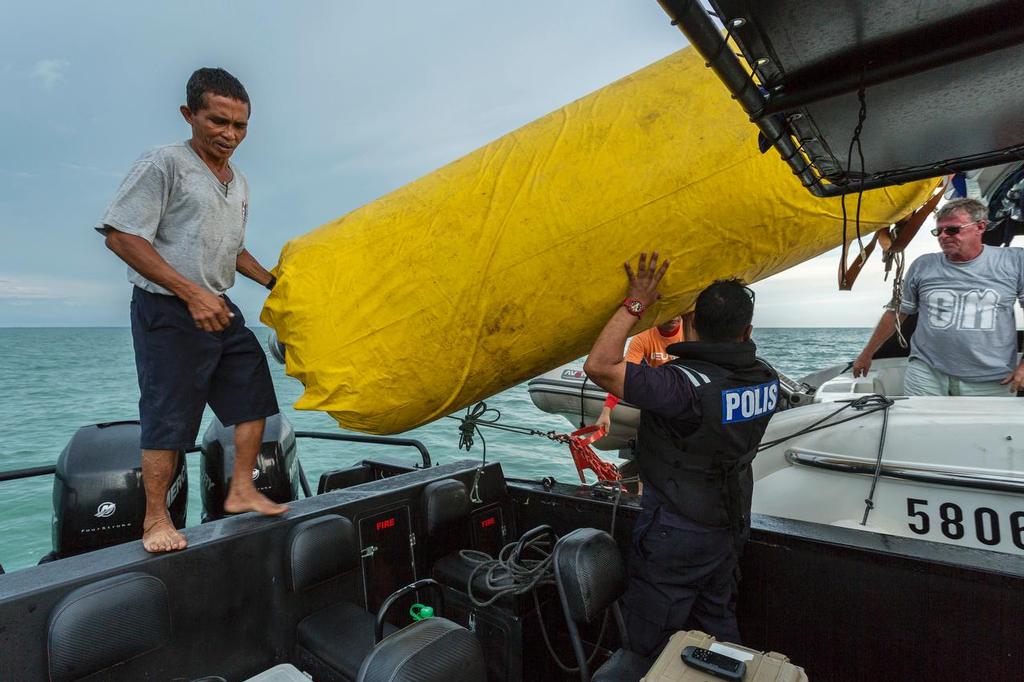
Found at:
[49, 470]
[378, 440]
[15, 474]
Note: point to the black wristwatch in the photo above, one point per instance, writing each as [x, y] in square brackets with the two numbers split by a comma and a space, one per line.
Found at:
[270, 284]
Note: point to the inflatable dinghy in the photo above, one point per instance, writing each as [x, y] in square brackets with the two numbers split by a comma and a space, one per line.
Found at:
[568, 392]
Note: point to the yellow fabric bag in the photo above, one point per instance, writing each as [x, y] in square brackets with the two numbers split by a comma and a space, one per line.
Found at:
[508, 261]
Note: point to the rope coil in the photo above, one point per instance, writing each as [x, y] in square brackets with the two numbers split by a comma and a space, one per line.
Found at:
[864, 406]
[520, 568]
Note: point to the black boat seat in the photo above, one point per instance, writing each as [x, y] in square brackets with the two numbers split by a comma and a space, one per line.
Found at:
[320, 549]
[454, 571]
[591, 576]
[340, 636]
[106, 623]
[330, 643]
[431, 650]
[445, 506]
[445, 517]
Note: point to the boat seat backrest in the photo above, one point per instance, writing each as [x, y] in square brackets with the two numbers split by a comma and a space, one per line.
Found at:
[444, 503]
[320, 549]
[591, 576]
[105, 623]
[590, 571]
[431, 650]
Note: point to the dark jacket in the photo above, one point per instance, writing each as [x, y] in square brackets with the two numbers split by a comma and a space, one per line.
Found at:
[699, 465]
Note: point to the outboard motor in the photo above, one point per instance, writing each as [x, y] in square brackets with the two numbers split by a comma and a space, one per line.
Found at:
[276, 473]
[98, 498]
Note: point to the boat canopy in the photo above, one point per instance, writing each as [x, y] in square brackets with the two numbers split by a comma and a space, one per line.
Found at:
[926, 88]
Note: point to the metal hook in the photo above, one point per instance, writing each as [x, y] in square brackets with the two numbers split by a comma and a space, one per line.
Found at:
[474, 492]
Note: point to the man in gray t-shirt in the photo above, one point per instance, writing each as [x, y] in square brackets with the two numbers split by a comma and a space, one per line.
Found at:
[193, 220]
[178, 221]
[965, 342]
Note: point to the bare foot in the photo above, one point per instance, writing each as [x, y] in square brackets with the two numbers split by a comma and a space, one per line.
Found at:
[247, 499]
[162, 536]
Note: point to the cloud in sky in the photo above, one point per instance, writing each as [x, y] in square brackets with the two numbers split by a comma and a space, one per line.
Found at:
[86, 168]
[55, 300]
[13, 290]
[49, 288]
[7, 172]
[49, 72]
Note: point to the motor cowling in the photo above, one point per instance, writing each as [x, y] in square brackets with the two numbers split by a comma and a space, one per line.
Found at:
[98, 497]
[275, 474]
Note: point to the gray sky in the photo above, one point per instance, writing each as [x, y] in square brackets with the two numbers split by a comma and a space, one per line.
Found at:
[350, 100]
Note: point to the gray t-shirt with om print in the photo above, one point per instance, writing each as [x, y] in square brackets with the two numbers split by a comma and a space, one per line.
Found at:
[966, 326]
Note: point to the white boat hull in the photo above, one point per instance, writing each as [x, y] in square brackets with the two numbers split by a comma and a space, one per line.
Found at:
[952, 469]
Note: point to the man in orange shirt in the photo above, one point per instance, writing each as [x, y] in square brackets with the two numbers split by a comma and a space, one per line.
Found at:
[649, 348]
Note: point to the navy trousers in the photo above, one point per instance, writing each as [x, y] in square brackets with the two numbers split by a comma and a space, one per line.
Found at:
[681, 577]
[182, 369]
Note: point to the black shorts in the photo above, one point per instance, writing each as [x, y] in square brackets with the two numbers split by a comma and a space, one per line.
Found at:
[182, 368]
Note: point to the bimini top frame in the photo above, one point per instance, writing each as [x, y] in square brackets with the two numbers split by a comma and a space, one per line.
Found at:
[926, 88]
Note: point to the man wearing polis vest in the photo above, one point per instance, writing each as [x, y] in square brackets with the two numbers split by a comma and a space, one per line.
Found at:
[702, 418]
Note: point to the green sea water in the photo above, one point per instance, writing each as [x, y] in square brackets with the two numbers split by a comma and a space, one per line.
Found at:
[54, 380]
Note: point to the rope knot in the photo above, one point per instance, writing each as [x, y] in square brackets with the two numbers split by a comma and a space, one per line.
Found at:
[468, 424]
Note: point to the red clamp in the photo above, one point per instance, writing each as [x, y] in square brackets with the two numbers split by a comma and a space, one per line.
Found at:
[585, 458]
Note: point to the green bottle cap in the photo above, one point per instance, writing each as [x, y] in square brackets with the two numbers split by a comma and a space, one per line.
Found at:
[421, 611]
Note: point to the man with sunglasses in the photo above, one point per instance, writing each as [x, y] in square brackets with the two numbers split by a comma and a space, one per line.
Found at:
[965, 343]
[702, 416]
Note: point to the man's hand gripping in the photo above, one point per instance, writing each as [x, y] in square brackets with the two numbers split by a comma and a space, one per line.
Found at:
[209, 311]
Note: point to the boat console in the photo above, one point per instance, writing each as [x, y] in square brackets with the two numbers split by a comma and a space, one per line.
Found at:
[307, 589]
[231, 609]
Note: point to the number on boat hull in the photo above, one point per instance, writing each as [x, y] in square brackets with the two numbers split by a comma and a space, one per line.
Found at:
[953, 522]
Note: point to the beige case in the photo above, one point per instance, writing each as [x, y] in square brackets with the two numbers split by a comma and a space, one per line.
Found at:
[765, 667]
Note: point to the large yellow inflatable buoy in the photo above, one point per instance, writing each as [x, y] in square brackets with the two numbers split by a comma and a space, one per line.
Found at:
[507, 262]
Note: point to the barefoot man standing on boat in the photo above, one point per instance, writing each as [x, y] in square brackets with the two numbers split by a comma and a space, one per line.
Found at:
[178, 221]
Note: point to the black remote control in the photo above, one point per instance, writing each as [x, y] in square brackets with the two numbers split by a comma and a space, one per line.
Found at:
[714, 664]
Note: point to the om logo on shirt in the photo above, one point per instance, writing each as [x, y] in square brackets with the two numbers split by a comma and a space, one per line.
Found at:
[975, 309]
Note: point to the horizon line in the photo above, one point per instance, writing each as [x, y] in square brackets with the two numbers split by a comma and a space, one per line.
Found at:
[263, 326]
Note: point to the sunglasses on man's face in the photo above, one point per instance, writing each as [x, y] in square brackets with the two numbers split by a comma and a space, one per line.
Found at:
[950, 229]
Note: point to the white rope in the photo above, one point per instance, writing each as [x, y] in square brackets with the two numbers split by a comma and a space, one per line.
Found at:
[897, 296]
